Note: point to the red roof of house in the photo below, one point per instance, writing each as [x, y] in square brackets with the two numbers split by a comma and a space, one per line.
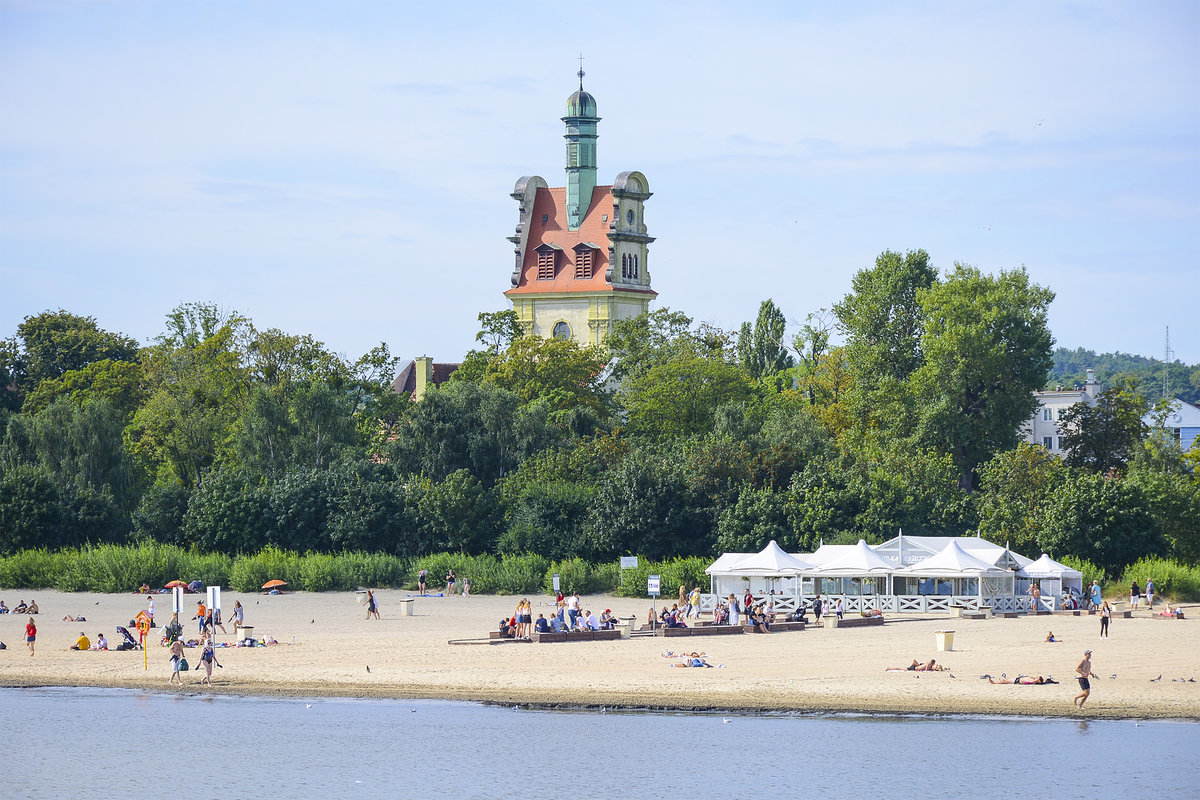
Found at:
[551, 204]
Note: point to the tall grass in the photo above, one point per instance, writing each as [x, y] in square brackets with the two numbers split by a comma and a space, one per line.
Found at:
[1171, 578]
[123, 568]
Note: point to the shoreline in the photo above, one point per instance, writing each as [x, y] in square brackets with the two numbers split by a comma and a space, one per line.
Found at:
[328, 649]
[603, 701]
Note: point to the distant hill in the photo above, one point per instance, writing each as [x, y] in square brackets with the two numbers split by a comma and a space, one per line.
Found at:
[1112, 368]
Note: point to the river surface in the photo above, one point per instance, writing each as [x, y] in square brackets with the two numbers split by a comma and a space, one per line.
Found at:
[101, 743]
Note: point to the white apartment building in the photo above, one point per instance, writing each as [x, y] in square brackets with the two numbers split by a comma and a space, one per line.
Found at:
[1043, 428]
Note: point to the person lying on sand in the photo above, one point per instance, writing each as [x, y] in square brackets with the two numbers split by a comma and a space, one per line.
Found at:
[1024, 680]
[1050, 637]
[917, 666]
[693, 662]
[693, 654]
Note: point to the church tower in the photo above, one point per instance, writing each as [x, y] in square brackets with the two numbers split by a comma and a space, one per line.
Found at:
[581, 250]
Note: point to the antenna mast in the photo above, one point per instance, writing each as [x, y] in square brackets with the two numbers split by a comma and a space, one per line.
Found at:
[1166, 385]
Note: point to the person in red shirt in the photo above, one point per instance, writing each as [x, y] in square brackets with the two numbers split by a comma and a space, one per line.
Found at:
[30, 634]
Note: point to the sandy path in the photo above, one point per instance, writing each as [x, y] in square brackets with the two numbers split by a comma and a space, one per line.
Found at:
[327, 647]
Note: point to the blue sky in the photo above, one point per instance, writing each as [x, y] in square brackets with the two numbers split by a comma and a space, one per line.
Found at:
[344, 169]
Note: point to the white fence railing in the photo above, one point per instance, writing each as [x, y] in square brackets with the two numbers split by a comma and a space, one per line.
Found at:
[893, 604]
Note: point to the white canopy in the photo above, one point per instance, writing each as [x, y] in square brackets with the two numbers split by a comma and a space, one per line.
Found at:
[772, 562]
[952, 561]
[725, 563]
[1046, 567]
[859, 560]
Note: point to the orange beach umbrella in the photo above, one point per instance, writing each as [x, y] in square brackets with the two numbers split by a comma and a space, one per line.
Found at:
[274, 584]
[176, 584]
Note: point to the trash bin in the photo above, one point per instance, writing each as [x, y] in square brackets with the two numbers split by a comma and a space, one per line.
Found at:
[406, 607]
[625, 628]
[829, 621]
[945, 640]
[245, 632]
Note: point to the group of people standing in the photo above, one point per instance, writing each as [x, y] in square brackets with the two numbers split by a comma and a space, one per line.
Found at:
[451, 583]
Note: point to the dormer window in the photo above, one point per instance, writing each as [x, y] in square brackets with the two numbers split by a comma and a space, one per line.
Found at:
[585, 260]
[547, 261]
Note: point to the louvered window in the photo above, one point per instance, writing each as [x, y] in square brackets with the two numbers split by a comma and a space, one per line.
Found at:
[583, 264]
[546, 265]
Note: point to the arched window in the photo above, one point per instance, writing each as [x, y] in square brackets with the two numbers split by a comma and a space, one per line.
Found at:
[562, 330]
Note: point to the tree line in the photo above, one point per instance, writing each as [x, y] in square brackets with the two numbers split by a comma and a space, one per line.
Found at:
[677, 439]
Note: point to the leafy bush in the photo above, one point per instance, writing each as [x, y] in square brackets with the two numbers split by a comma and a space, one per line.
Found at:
[1090, 571]
[29, 569]
[1171, 578]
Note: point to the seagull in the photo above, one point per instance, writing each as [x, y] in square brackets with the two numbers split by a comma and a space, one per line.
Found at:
[1112, 676]
[308, 705]
[726, 721]
[1154, 680]
[952, 676]
[412, 711]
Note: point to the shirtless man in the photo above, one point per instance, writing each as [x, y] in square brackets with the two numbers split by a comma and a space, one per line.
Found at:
[1083, 672]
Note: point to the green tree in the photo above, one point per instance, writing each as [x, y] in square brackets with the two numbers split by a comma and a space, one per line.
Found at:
[639, 343]
[986, 347]
[557, 371]
[57, 342]
[120, 383]
[30, 512]
[679, 397]
[1104, 436]
[758, 516]
[459, 514]
[1101, 519]
[760, 349]
[1016, 487]
[198, 389]
[883, 322]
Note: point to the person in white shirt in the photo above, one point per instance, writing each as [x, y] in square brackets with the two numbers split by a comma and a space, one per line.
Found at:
[573, 608]
[590, 622]
[101, 642]
[150, 611]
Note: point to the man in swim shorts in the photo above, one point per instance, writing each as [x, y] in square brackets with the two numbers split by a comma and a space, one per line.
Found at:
[1084, 672]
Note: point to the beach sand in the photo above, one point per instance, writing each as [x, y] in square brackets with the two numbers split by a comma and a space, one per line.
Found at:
[326, 647]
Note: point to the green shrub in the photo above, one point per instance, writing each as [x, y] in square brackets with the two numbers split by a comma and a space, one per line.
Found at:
[1171, 578]
[29, 569]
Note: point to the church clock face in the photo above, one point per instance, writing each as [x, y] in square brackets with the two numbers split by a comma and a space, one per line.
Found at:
[629, 216]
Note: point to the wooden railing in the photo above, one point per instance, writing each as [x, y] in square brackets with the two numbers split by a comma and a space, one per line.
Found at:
[893, 604]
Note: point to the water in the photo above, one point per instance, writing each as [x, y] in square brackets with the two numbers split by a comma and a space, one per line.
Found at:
[125, 743]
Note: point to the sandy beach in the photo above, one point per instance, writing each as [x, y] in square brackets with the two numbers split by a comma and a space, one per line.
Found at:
[326, 647]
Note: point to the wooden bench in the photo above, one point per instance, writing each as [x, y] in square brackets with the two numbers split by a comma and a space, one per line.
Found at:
[703, 630]
[859, 622]
[974, 615]
[576, 636]
[1068, 612]
[777, 627]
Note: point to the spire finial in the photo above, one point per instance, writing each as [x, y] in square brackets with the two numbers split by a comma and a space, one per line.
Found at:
[581, 72]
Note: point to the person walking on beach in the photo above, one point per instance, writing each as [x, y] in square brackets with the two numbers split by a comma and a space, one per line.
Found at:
[840, 608]
[694, 600]
[372, 609]
[1105, 614]
[450, 582]
[202, 615]
[1150, 593]
[421, 576]
[30, 635]
[208, 657]
[176, 661]
[1135, 596]
[239, 616]
[1084, 672]
[1096, 598]
[817, 605]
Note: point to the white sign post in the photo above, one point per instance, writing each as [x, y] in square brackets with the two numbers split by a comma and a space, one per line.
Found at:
[214, 606]
[177, 599]
[556, 583]
[652, 589]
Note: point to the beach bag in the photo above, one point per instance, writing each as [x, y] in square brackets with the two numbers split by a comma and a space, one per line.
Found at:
[183, 665]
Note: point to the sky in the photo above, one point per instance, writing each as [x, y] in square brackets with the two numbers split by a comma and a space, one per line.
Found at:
[344, 169]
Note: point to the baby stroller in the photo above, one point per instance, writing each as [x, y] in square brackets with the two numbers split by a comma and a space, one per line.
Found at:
[129, 643]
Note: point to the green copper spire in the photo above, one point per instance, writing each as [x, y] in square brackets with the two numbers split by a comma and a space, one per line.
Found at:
[581, 122]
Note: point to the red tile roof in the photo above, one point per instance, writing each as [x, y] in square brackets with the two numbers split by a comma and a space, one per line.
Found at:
[551, 203]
